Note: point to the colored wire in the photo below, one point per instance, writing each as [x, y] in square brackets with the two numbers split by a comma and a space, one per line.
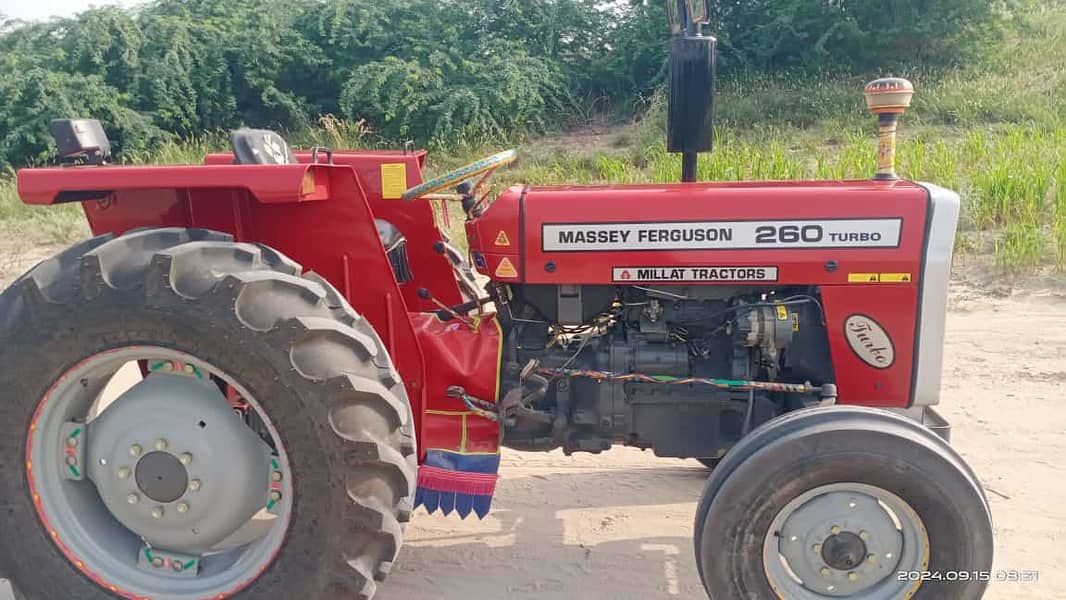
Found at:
[725, 384]
[471, 403]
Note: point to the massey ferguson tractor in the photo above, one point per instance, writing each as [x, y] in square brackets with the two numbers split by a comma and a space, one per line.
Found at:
[259, 368]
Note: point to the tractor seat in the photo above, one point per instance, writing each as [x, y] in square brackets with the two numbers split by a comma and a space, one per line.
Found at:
[260, 147]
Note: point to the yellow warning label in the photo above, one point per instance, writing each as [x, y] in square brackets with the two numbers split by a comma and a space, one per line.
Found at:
[506, 269]
[782, 313]
[393, 180]
[501, 239]
[863, 278]
[895, 277]
[795, 322]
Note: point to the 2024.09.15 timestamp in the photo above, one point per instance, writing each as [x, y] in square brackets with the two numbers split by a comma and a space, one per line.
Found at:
[999, 575]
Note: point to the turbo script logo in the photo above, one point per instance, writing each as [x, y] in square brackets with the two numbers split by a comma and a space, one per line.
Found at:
[869, 341]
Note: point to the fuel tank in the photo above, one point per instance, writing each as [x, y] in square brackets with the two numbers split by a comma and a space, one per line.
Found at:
[879, 253]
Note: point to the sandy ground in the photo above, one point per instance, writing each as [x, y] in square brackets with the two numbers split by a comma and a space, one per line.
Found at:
[618, 526]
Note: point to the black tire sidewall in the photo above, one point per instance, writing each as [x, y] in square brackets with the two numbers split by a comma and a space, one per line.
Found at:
[741, 511]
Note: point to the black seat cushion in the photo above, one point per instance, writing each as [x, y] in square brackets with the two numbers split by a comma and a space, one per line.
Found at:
[260, 147]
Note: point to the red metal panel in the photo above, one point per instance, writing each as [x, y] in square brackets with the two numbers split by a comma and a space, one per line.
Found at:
[724, 202]
[497, 234]
[414, 219]
[891, 306]
[268, 183]
[122, 211]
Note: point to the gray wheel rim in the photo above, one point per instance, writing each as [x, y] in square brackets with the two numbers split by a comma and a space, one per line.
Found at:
[94, 538]
[845, 540]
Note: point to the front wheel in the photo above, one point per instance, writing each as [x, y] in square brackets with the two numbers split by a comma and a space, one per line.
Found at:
[192, 418]
[843, 502]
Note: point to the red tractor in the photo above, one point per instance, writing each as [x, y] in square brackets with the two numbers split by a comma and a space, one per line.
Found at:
[249, 379]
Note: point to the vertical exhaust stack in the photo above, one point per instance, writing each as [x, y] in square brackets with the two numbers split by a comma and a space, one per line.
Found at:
[690, 112]
[887, 98]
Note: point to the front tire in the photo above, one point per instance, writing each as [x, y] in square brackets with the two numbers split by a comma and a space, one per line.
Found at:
[315, 367]
[848, 498]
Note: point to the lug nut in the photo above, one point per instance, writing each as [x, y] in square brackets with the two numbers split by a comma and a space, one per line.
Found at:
[189, 369]
[124, 473]
[835, 530]
[194, 485]
[853, 576]
[864, 536]
[133, 498]
[182, 507]
[275, 476]
[168, 366]
[817, 548]
[177, 566]
[825, 571]
[135, 450]
[852, 504]
[185, 458]
[157, 512]
[160, 444]
[871, 558]
[72, 441]
[72, 460]
[157, 562]
[275, 495]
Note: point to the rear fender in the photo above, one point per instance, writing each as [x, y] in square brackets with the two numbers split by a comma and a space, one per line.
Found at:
[316, 214]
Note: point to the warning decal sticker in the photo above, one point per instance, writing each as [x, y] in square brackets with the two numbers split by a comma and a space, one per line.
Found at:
[895, 277]
[879, 277]
[693, 274]
[722, 235]
[506, 269]
[502, 239]
[393, 180]
[864, 277]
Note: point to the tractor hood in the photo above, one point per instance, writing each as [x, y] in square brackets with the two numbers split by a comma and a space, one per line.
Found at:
[879, 248]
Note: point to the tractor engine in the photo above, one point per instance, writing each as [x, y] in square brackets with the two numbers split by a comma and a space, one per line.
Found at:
[657, 367]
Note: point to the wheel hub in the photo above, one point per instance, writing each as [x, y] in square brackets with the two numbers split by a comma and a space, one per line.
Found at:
[845, 540]
[104, 477]
[843, 551]
[174, 464]
[162, 477]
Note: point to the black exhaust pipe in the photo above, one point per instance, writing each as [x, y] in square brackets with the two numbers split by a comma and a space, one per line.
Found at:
[690, 109]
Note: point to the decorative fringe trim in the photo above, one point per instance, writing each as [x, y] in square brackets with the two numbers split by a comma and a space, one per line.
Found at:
[450, 487]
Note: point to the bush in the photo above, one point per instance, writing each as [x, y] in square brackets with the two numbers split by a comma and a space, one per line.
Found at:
[819, 34]
[440, 71]
[31, 99]
[860, 35]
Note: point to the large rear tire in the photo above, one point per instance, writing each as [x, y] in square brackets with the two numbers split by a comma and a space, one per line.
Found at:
[843, 502]
[315, 368]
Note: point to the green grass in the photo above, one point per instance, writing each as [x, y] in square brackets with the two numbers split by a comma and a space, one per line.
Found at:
[36, 223]
[995, 132]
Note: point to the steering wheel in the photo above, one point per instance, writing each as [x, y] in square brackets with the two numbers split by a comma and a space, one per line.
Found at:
[483, 167]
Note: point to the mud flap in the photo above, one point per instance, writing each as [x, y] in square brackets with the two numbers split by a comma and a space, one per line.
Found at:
[462, 448]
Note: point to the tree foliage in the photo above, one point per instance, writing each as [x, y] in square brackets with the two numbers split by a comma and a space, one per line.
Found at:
[431, 70]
